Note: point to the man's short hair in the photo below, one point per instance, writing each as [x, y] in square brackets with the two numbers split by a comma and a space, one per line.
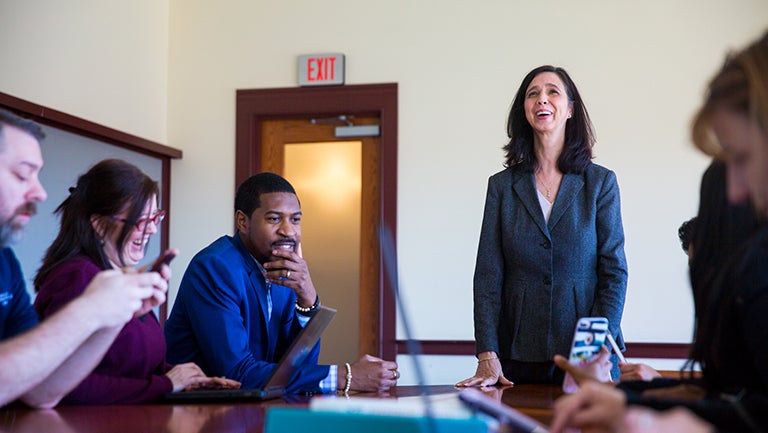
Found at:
[249, 192]
[26, 125]
[685, 233]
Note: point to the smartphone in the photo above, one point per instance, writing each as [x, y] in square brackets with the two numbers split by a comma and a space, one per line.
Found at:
[164, 259]
[588, 337]
[511, 419]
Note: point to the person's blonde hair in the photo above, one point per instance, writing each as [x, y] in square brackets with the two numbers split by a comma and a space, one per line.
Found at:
[741, 86]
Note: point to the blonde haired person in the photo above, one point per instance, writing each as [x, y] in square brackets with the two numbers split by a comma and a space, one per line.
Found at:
[731, 344]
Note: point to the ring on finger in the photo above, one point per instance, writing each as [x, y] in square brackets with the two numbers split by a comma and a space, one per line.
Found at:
[288, 274]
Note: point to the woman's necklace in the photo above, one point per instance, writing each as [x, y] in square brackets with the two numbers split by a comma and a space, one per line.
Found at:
[547, 187]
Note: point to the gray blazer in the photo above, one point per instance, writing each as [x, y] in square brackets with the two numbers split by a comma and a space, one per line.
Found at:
[533, 280]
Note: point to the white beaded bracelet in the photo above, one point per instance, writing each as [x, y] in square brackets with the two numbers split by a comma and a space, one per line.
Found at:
[349, 378]
[307, 310]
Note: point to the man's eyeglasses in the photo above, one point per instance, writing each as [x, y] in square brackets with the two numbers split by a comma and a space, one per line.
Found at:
[141, 223]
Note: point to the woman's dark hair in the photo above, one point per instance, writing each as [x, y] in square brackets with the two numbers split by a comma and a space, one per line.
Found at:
[685, 233]
[721, 228]
[110, 187]
[579, 133]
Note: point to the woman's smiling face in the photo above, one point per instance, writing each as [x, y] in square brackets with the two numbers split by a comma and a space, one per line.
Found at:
[135, 244]
[547, 106]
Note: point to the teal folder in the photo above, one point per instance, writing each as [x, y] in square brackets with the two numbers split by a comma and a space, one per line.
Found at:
[289, 419]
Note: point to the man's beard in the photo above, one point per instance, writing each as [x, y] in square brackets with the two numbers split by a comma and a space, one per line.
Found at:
[10, 233]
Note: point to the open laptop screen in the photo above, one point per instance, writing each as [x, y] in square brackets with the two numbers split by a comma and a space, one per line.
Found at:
[297, 352]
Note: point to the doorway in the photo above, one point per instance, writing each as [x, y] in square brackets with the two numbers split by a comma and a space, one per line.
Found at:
[275, 133]
[337, 183]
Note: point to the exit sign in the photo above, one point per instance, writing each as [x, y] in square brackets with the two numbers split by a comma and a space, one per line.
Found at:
[321, 69]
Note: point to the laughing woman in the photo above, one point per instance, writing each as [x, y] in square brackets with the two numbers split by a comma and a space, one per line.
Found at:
[551, 244]
[106, 223]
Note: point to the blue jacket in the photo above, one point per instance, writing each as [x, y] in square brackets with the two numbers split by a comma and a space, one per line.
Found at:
[533, 279]
[219, 320]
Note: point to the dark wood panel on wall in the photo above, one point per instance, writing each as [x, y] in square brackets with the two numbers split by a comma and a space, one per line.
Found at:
[81, 127]
[467, 347]
[87, 128]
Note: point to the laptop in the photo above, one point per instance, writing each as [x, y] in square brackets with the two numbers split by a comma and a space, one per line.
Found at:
[301, 346]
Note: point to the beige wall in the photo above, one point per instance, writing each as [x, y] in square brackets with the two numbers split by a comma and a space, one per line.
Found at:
[641, 67]
[104, 61]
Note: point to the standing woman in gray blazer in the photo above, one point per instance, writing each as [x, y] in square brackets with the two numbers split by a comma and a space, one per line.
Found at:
[552, 243]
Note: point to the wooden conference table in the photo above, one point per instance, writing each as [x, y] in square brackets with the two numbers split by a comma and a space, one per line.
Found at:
[533, 400]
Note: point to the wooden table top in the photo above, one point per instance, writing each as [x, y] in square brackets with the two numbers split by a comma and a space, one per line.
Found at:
[533, 400]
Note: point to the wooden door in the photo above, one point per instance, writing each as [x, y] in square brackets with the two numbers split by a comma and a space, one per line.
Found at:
[257, 107]
[354, 331]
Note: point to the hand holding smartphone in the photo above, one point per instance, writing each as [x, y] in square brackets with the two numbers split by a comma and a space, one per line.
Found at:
[588, 337]
[163, 259]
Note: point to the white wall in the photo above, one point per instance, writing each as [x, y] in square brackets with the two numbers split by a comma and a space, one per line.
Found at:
[641, 67]
[104, 61]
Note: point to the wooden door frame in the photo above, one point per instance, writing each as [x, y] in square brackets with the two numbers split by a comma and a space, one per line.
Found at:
[380, 100]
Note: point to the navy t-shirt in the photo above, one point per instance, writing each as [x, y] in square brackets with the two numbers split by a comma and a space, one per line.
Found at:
[16, 312]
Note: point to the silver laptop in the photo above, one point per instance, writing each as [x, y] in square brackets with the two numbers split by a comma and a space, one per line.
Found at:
[301, 346]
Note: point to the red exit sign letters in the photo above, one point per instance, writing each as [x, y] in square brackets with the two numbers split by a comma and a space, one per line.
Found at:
[321, 69]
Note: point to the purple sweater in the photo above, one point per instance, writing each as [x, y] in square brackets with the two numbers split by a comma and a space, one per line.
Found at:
[133, 369]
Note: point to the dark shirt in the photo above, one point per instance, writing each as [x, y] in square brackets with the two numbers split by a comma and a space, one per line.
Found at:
[16, 312]
[736, 374]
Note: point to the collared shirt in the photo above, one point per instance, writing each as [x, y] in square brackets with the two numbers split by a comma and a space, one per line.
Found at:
[303, 320]
[330, 383]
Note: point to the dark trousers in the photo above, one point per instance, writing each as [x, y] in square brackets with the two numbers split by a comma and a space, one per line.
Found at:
[521, 372]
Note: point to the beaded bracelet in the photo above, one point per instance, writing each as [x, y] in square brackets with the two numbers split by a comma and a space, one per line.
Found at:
[308, 310]
[349, 378]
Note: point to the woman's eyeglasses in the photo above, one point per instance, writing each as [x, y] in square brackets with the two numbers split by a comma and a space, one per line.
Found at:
[141, 223]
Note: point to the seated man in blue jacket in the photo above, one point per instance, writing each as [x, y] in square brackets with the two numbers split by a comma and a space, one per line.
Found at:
[244, 298]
